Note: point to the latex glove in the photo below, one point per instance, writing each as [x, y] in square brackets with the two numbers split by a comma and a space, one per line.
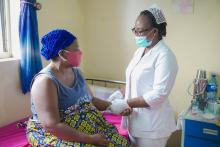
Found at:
[119, 105]
[115, 95]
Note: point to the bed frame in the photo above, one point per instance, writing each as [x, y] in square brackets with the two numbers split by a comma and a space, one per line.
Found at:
[106, 83]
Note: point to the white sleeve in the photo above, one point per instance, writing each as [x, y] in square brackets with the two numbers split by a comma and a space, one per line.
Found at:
[164, 77]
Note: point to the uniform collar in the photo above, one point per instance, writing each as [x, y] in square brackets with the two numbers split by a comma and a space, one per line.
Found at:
[153, 49]
[156, 47]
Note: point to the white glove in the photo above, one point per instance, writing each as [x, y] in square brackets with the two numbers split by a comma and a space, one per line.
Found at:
[118, 105]
[115, 95]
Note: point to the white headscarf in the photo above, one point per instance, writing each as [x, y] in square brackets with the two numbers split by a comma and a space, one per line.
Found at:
[157, 13]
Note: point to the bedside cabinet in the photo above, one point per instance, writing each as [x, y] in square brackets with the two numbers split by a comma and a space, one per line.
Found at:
[199, 132]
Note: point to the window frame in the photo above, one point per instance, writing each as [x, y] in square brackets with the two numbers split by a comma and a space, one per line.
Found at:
[6, 29]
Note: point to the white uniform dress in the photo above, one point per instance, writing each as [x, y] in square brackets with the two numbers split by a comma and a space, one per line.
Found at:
[152, 76]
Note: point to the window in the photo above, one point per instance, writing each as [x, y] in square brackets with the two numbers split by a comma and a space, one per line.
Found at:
[5, 50]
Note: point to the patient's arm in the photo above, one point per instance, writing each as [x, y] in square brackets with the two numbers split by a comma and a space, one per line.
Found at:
[44, 94]
[100, 104]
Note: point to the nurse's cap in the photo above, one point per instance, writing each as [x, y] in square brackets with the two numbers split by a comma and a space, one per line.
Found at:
[157, 13]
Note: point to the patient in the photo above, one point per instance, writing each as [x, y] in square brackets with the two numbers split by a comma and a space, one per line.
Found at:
[64, 111]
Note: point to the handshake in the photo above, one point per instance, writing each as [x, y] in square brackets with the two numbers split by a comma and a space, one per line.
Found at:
[119, 104]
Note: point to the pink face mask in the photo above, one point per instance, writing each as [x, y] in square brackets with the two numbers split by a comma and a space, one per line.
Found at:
[74, 58]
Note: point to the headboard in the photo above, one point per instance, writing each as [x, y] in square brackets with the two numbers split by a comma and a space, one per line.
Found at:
[103, 88]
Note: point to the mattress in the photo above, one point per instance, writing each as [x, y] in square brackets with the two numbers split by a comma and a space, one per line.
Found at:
[13, 136]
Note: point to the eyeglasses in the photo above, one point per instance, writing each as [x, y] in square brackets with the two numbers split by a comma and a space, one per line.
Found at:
[139, 33]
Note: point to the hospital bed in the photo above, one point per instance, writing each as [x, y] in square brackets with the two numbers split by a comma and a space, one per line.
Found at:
[13, 135]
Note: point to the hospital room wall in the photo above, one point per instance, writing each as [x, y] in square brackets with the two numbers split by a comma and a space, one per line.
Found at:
[193, 37]
[13, 104]
[54, 14]
[68, 14]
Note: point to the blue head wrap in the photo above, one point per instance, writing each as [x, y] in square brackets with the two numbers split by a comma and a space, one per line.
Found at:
[55, 41]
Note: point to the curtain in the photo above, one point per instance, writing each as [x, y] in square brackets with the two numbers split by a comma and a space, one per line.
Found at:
[30, 62]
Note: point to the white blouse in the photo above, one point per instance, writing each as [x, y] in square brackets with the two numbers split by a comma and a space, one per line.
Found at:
[152, 76]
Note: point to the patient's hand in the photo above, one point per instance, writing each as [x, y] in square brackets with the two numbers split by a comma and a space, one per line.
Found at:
[126, 112]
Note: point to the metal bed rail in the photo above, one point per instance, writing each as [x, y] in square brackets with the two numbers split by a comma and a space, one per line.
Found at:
[105, 81]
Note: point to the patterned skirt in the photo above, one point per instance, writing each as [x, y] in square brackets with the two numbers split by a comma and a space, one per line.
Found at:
[87, 119]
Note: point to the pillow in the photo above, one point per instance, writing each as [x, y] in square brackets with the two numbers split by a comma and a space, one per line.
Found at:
[101, 92]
